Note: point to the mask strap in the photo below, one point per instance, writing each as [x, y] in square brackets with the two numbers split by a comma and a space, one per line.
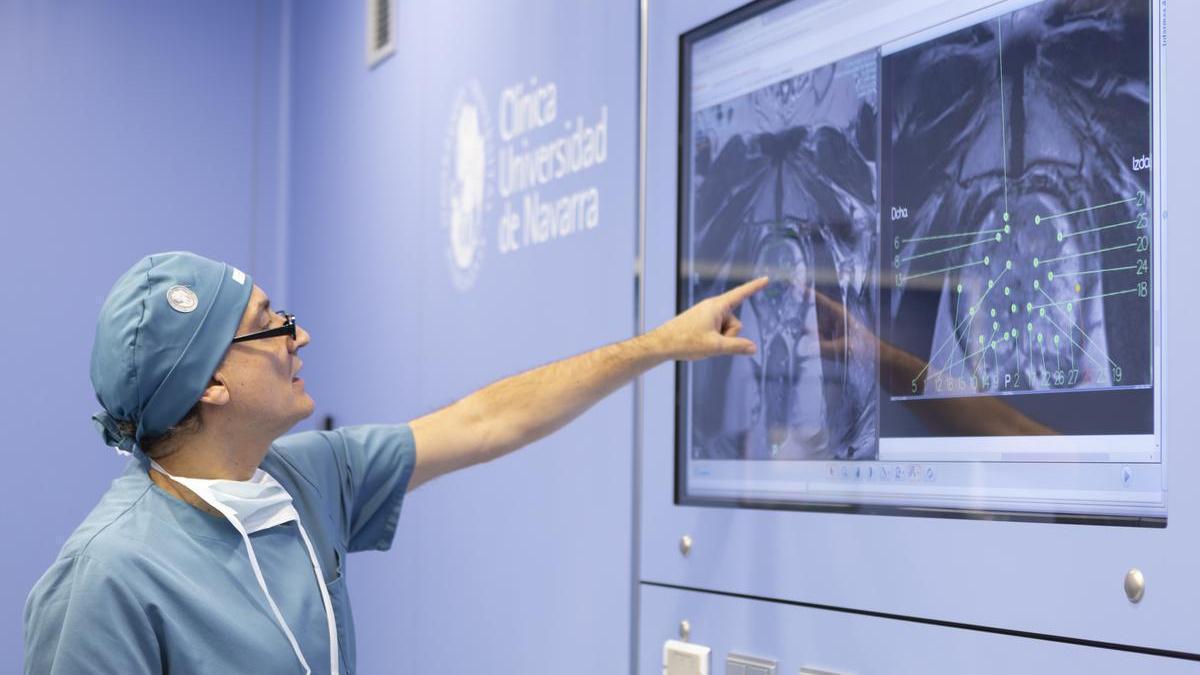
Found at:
[330, 621]
[231, 517]
[271, 601]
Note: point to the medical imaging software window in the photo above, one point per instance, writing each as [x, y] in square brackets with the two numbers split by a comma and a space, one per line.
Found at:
[958, 226]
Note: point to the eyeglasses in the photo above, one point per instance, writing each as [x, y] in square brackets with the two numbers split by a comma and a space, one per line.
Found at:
[288, 328]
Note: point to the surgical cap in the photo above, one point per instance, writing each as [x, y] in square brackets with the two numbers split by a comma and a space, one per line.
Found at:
[162, 332]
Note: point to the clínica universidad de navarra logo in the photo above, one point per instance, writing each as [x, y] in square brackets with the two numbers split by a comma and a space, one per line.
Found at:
[539, 147]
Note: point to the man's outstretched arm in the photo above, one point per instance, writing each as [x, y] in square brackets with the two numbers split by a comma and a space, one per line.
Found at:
[521, 409]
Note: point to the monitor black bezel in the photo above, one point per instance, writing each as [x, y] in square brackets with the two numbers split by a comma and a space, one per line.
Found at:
[681, 498]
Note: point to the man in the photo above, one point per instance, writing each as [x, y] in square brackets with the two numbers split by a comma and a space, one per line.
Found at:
[220, 548]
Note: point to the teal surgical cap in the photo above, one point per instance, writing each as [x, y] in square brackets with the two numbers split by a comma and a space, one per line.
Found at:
[162, 332]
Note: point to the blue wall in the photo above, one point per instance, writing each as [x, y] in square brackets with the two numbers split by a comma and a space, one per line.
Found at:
[125, 128]
[526, 562]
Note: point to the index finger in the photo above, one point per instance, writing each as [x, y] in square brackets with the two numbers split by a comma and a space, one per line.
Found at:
[732, 298]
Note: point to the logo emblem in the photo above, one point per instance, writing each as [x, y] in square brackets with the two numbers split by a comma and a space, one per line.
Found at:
[182, 299]
[466, 184]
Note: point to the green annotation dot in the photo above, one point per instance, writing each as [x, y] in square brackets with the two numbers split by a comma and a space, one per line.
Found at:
[1013, 309]
[1069, 306]
[993, 345]
[1042, 311]
[1049, 276]
[960, 288]
[1060, 236]
[1055, 339]
[1029, 307]
[993, 311]
[995, 325]
[1039, 337]
[991, 283]
[1007, 229]
[971, 311]
[999, 236]
[1029, 327]
[1008, 264]
[1007, 290]
[1036, 262]
[987, 260]
[1037, 220]
[1036, 284]
[981, 339]
[1006, 216]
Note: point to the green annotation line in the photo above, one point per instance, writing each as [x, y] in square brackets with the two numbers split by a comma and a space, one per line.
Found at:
[1077, 255]
[957, 304]
[1053, 303]
[1085, 352]
[1081, 332]
[1058, 275]
[986, 346]
[956, 235]
[992, 283]
[944, 269]
[1097, 229]
[945, 250]
[1086, 208]
[1003, 135]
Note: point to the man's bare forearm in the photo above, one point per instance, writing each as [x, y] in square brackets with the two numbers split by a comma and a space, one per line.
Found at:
[524, 408]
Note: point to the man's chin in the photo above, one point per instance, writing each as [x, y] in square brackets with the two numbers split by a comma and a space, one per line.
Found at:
[306, 410]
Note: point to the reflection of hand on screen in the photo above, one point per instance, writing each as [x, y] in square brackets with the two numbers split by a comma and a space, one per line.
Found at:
[983, 416]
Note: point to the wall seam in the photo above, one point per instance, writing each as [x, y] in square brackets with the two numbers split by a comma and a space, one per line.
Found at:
[255, 138]
[283, 154]
[639, 311]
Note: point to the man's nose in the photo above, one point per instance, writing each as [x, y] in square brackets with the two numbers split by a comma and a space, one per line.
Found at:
[302, 337]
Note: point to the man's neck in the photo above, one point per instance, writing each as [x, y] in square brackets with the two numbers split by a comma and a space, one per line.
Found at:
[209, 455]
[216, 456]
[183, 494]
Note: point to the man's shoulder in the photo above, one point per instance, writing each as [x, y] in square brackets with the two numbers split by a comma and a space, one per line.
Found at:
[307, 457]
[322, 459]
[301, 442]
[318, 451]
[115, 522]
[109, 542]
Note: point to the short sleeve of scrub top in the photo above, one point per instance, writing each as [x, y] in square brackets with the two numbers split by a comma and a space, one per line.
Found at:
[150, 584]
[362, 471]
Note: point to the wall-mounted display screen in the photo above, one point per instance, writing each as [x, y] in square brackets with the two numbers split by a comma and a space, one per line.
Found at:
[959, 230]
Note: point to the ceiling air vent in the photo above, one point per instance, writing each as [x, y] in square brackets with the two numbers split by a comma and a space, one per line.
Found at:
[381, 36]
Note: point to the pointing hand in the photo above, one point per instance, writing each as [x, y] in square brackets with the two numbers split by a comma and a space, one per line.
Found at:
[709, 328]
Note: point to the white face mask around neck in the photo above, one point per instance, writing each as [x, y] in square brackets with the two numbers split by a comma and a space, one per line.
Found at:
[254, 505]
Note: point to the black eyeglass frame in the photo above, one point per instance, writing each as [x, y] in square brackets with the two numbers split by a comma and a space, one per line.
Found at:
[288, 328]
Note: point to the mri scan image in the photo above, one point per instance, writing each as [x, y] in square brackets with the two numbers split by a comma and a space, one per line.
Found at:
[1016, 231]
[782, 182]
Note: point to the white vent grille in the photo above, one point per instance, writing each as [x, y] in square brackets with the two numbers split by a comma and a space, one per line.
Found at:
[381, 35]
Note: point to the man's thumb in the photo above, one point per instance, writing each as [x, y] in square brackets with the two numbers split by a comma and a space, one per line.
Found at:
[738, 346]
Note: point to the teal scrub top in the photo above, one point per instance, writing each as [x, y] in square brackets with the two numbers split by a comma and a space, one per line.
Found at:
[150, 584]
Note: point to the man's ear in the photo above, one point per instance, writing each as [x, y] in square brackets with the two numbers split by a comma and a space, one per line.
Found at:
[216, 393]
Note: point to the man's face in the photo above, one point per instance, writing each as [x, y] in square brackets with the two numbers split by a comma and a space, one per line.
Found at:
[261, 375]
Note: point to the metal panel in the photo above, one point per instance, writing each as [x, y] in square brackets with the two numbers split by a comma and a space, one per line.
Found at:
[839, 643]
